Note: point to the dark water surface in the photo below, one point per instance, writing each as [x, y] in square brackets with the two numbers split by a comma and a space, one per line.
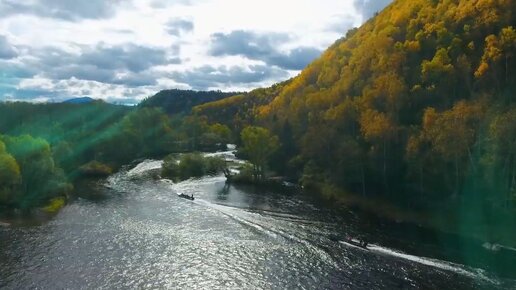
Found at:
[143, 236]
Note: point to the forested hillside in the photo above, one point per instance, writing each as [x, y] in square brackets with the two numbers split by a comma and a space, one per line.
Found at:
[44, 148]
[416, 106]
[237, 111]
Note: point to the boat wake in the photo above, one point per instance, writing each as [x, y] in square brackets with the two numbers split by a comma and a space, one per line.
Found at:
[443, 265]
[145, 166]
[265, 225]
[354, 246]
[287, 227]
[497, 247]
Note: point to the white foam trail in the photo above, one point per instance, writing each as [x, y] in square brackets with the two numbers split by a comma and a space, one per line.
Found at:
[448, 266]
[351, 245]
[227, 211]
[195, 183]
[237, 214]
[227, 155]
[497, 247]
[508, 248]
[145, 166]
[491, 247]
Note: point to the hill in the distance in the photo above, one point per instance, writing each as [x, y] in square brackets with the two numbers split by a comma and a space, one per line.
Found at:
[81, 100]
[182, 101]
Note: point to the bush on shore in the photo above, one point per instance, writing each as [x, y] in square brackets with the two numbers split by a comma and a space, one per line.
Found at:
[191, 165]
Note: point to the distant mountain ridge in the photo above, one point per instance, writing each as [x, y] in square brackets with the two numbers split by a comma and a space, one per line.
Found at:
[182, 101]
[79, 100]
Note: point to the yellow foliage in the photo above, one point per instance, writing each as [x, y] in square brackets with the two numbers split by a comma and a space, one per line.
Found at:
[55, 205]
[482, 69]
[375, 125]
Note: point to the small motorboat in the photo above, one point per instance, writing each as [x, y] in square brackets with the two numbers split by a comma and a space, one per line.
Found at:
[356, 243]
[186, 196]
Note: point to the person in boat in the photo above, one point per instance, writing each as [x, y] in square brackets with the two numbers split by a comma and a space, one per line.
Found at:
[191, 196]
[359, 241]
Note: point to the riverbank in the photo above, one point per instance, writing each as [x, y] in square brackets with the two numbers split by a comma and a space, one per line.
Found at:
[459, 222]
[32, 217]
[274, 183]
[449, 219]
[83, 187]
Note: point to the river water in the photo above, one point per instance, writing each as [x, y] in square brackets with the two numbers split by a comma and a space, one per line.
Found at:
[142, 235]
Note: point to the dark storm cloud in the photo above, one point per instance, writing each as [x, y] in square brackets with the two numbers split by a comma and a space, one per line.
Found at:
[83, 72]
[246, 43]
[128, 65]
[7, 51]
[369, 7]
[62, 9]
[177, 27]
[262, 47]
[131, 57]
[16, 70]
[296, 59]
[206, 77]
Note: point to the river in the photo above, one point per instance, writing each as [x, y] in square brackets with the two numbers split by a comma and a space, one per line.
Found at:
[142, 235]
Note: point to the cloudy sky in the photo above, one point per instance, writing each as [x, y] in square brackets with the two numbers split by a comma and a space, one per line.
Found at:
[125, 50]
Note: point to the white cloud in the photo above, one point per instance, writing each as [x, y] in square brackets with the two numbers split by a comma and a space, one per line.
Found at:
[129, 49]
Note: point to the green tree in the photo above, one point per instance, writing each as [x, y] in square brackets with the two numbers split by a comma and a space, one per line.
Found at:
[259, 145]
[10, 177]
[41, 179]
[147, 128]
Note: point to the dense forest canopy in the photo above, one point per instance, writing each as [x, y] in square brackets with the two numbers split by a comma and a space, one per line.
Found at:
[44, 148]
[417, 106]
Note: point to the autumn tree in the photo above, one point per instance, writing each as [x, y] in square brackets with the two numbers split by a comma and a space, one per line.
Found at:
[453, 133]
[438, 74]
[378, 129]
[500, 157]
[508, 46]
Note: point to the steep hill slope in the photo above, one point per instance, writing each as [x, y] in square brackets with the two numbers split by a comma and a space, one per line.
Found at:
[238, 110]
[417, 104]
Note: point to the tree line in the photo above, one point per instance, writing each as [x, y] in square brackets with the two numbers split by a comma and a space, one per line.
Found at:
[44, 148]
